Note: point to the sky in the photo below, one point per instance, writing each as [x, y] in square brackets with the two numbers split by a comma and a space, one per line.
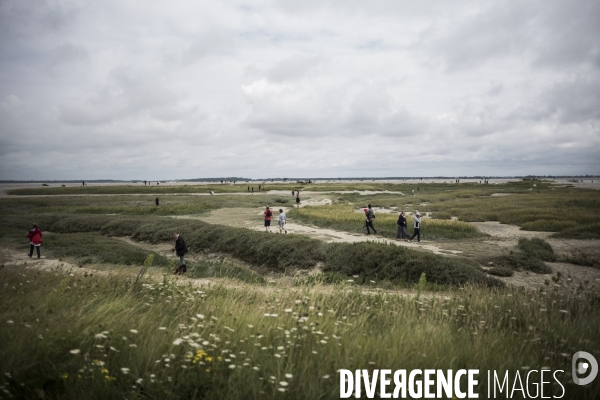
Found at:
[132, 89]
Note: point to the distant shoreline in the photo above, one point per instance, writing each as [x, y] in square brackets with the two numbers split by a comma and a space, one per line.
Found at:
[293, 180]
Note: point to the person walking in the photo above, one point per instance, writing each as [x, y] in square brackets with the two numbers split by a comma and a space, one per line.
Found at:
[417, 227]
[35, 240]
[180, 249]
[298, 199]
[370, 215]
[268, 215]
[282, 221]
[156, 201]
[402, 223]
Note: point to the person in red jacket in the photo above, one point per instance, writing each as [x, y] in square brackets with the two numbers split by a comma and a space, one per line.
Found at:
[35, 239]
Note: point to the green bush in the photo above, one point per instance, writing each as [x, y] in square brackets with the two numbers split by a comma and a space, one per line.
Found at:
[537, 248]
[395, 263]
[583, 231]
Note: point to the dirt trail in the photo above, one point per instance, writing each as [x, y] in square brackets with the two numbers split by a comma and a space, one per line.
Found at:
[252, 218]
[502, 238]
[14, 259]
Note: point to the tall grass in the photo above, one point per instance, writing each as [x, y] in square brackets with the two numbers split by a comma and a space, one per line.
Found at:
[135, 205]
[570, 212]
[345, 217]
[75, 337]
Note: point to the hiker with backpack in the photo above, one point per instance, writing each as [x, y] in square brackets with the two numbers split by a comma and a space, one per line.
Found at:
[268, 215]
[370, 215]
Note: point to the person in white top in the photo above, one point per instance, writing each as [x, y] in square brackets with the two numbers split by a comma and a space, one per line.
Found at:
[417, 227]
[282, 221]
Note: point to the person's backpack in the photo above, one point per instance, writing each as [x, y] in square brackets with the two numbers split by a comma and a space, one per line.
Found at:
[269, 213]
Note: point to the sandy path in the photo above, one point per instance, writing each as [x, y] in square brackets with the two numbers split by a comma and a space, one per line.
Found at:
[14, 259]
[504, 231]
[252, 218]
[502, 239]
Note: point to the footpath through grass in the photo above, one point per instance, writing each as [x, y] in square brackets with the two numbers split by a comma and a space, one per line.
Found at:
[277, 253]
[74, 337]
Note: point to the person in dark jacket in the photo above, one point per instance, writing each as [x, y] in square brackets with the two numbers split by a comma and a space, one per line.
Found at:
[156, 201]
[35, 240]
[180, 249]
[402, 223]
[370, 217]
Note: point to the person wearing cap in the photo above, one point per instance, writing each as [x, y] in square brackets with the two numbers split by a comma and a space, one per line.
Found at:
[417, 227]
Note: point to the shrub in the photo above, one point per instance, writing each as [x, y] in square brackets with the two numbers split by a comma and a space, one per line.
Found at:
[537, 248]
[378, 261]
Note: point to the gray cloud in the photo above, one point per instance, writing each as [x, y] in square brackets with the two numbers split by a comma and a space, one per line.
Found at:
[115, 90]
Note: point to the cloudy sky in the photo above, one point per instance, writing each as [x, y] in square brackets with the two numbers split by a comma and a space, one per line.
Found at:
[132, 89]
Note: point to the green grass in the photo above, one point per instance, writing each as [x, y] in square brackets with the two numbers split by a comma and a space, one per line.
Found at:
[224, 269]
[135, 205]
[276, 253]
[537, 248]
[91, 247]
[344, 217]
[567, 211]
[74, 337]
[570, 212]
[533, 252]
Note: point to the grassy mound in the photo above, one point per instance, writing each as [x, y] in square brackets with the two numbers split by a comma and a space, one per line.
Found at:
[537, 248]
